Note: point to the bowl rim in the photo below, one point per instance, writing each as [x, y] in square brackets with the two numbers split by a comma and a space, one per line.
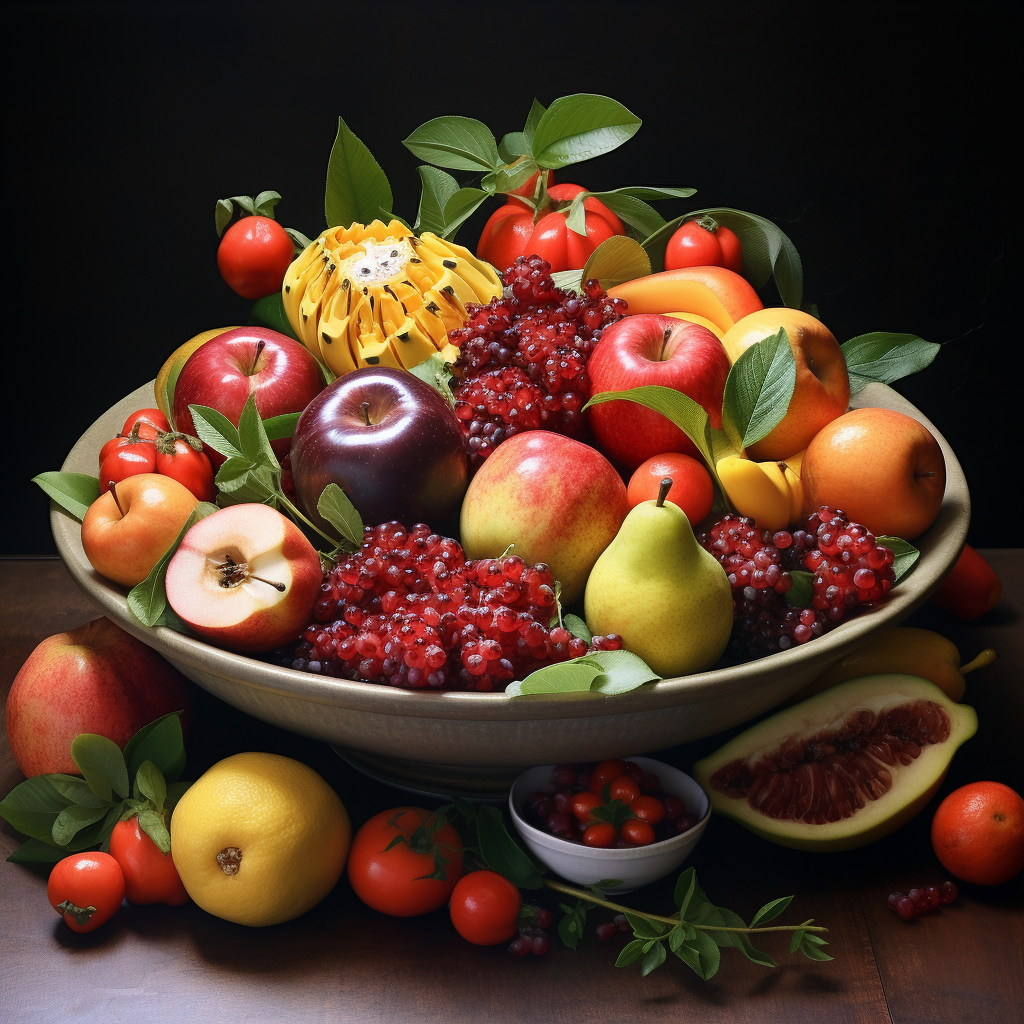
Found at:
[557, 843]
[111, 599]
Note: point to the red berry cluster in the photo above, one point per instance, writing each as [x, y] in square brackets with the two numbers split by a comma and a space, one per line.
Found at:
[917, 901]
[613, 803]
[523, 357]
[408, 610]
[532, 937]
[849, 570]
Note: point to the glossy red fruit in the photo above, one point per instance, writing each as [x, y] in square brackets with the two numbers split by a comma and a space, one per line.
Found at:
[704, 243]
[253, 256]
[149, 875]
[177, 457]
[484, 908]
[971, 588]
[86, 889]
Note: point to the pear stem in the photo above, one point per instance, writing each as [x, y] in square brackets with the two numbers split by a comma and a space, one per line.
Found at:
[666, 486]
[986, 657]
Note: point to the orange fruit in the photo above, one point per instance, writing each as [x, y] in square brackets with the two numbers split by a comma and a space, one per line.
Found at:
[692, 489]
[884, 469]
[978, 833]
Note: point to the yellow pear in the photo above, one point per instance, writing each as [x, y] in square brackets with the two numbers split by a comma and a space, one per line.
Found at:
[655, 586]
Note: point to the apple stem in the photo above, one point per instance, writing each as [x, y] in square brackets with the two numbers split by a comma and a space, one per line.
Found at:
[256, 358]
[666, 486]
[277, 586]
[112, 487]
[366, 412]
[234, 573]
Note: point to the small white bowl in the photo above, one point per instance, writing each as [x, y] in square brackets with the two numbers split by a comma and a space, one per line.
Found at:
[633, 867]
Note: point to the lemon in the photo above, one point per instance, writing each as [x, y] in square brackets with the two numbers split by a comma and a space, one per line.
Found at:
[259, 839]
[165, 395]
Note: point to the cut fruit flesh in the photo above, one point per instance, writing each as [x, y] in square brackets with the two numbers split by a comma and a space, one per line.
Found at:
[844, 767]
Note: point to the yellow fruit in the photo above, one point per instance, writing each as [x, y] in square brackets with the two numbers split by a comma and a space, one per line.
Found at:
[696, 318]
[259, 839]
[376, 295]
[769, 492]
[164, 387]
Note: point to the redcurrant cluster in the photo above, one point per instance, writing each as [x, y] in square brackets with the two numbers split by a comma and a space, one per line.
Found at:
[917, 901]
[409, 610]
[523, 357]
[849, 569]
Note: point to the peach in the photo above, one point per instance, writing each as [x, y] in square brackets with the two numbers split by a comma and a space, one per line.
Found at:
[126, 531]
[884, 469]
[96, 678]
[822, 390]
[245, 578]
[557, 500]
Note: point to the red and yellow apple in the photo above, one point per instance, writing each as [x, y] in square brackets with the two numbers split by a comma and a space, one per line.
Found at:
[557, 500]
[652, 349]
[822, 389]
[126, 531]
[97, 679]
[884, 469]
[245, 578]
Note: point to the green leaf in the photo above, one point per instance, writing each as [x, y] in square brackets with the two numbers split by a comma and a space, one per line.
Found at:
[686, 885]
[616, 260]
[621, 671]
[905, 552]
[438, 374]
[572, 925]
[437, 187]
[512, 146]
[252, 438]
[814, 952]
[279, 427]
[631, 952]
[631, 209]
[216, 430]
[147, 600]
[562, 677]
[334, 505]
[161, 744]
[770, 911]
[34, 851]
[101, 762]
[796, 939]
[460, 207]
[580, 127]
[801, 592]
[885, 357]
[357, 189]
[269, 312]
[507, 179]
[643, 928]
[299, 240]
[577, 627]
[73, 819]
[33, 806]
[153, 825]
[759, 389]
[537, 111]
[265, 202]
[151, 784]
[569, 280]
[223, 214]
[77, 791]
[701, 954]
[459, 143]
[74, 492]
[501, 853]
[652, 959]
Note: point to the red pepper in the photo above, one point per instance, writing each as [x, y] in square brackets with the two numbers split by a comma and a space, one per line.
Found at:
[971, 588]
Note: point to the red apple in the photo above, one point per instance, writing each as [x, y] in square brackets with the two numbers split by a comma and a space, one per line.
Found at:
[126, 531]
[96, 678]
[389, 441]
[222, 373]
[557, 500]
[244, 578]
[652, 349]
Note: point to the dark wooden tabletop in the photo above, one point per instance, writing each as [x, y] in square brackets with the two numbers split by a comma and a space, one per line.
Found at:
[344, 962]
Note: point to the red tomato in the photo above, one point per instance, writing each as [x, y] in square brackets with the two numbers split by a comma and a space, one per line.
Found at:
[637, 832]
[605, 772]
[623, 788]
[704, 243]
[485, 908]
[648, 808]
[126, 459]
[253, 256]
[601, 834]
[86, 889]
[154, 417]
[393, 857]
[511, 231]
[583, 803]
[149, 875]
[177, 457]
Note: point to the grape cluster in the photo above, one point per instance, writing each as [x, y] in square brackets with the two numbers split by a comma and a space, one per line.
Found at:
[523, 357]
[409, 610]
[917, 901]
[848, 568]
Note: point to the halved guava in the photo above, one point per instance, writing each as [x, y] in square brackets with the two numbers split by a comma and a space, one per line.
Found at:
[842, 768]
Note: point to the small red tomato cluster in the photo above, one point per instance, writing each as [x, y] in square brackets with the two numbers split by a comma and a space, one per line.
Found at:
[613, 803]
[917, 901]
[146, 444]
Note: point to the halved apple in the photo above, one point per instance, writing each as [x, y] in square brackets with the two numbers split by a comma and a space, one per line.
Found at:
[244, 578]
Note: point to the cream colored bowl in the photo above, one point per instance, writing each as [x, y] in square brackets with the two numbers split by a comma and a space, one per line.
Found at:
[477, 743]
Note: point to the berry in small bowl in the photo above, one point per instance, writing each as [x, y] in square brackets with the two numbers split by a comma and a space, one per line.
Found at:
[633, 819]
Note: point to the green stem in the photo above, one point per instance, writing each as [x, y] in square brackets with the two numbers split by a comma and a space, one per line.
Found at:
[296, 514]
[588, 897]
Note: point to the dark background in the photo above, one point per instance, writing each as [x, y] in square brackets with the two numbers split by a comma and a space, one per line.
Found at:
[877, 140]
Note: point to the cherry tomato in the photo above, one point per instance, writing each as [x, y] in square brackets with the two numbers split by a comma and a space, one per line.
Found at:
[623, 788]
[512, 231]
[401, 863]
[253, 256]
[602, 834]
[704, 243]
[86, 889]
[149, 875]
[485, 908]
[583, 803]
[154, 417]
[177, 457]
[648, 808]
[605, 772]
[127, 459]
[637, 832]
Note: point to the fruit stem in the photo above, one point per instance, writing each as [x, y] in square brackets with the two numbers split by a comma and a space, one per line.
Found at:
[589, 897]
[666, 486]
[708, 223]
[297, 515]
[986, 657]
[366, 413]
[256, 358]
[112, 487]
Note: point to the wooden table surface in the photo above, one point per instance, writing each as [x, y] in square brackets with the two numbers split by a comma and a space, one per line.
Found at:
[344, 962]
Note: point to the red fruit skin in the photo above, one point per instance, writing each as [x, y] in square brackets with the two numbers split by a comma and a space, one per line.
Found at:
[484, 908]
[87, 880]
[647, 349]
[97, 679]
[149, 875]
[253, 256]
[693, 245]
[971, 588]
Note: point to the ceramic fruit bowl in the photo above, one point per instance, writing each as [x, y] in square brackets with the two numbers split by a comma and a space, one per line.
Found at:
[476, 744]
[632, 867]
